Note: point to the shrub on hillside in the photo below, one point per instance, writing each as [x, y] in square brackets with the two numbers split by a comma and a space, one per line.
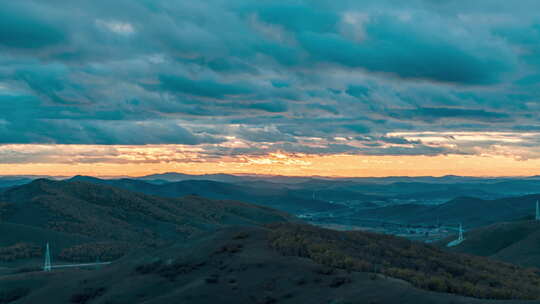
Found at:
[105, 251]
[422, 265]
[19, 251]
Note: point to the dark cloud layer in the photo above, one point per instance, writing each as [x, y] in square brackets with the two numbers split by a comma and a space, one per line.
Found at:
[307, 76]
[22, 27]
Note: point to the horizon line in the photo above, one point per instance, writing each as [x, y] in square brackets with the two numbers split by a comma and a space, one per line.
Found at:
[271, 175]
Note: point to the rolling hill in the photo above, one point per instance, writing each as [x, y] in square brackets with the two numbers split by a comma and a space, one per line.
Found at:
[81, 215]
[297, 193]
[472, 212]
[270, 195]
[515, 242]
[428, 188]
[282, 264]
[199, 250]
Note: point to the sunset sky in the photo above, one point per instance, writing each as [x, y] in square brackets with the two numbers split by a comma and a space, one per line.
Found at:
[314, 87]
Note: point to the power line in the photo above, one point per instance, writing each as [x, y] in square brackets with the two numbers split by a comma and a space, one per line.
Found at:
[47, 266]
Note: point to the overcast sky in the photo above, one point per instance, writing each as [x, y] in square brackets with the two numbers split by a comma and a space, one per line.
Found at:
[219, 81]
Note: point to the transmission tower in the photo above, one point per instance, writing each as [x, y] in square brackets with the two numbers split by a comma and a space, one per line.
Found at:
[537, 211]
[460, 238]
[47, 265]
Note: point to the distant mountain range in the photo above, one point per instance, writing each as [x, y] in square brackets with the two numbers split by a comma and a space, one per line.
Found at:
[178, 177]
[413, 189]
[175, 177]
[269, 195]
[474, 202]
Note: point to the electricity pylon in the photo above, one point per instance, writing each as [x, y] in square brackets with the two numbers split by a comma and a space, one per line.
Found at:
[460, 238]
[537, 211]
[47, 265]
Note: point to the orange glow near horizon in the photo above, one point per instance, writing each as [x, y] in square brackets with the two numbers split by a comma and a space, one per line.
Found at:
[296, 165]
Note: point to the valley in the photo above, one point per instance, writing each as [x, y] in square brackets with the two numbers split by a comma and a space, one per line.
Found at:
[178, 240]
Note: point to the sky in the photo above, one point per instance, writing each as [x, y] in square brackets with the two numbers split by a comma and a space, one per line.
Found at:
[319, 87]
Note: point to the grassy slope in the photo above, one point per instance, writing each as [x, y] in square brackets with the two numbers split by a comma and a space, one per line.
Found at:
[84, 212]
[515, 242]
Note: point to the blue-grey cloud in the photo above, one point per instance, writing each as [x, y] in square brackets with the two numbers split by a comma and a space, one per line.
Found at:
[273, 75]
[102, 133]
[393, 49]
[434, 114]
[23, 27]
[204, 88]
